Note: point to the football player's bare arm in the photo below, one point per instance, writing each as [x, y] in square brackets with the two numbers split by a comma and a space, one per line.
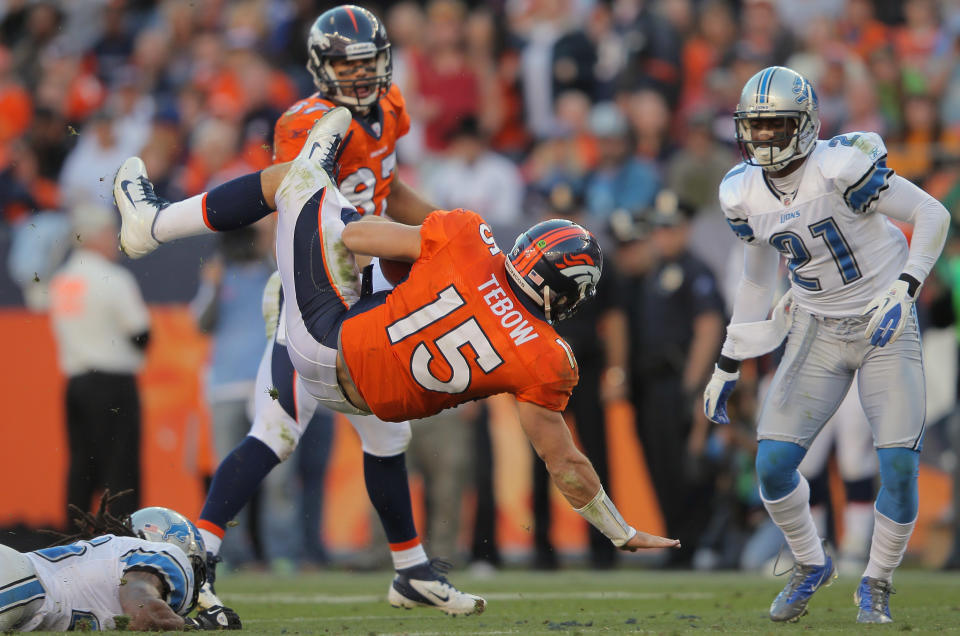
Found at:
[376, 236]
[405, 205]
[141, 600]
[575, 477]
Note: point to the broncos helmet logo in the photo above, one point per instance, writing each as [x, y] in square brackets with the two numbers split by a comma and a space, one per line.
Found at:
[570, 260]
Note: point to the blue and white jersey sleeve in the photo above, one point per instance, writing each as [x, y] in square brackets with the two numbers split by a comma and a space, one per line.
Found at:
[857, 165]
[169, 564]
[733, 190]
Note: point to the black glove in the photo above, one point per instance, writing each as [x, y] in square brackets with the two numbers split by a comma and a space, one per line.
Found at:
[218, 617]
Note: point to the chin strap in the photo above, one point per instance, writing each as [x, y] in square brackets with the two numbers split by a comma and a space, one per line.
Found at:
[546, 302]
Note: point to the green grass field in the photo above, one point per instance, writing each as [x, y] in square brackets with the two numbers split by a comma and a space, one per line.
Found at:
[580, 602]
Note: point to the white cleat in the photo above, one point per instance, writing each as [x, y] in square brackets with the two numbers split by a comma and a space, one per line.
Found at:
[323, 142]
[138, 205]
[426, 586]
[316, 164]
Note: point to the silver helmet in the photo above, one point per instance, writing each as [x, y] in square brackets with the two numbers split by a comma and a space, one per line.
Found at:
[774, 92]
[163, 525]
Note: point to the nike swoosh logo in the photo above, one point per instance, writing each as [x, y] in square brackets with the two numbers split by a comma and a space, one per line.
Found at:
[441, 598]
[123, 186]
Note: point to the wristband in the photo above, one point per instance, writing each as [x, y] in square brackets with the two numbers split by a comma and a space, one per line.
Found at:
[604, 516]
[913, 285]
[728, 364]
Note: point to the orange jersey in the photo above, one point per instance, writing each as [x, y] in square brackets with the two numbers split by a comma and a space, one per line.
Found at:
[454, 331]
[368, 160]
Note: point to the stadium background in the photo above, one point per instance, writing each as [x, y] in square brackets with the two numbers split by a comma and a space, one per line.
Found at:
[95, 53]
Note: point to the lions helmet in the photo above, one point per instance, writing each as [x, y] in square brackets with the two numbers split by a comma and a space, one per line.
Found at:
[163, 525]
[777, 91]
[557, 264]
[349, 32]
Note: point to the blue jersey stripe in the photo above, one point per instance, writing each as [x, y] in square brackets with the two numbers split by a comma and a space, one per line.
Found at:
[860, 195]
[21, 593]
[178, 581]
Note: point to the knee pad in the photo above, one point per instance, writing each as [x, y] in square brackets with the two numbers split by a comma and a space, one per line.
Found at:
[777, 464]
[272, 426]
[379, 438]
[898, 498]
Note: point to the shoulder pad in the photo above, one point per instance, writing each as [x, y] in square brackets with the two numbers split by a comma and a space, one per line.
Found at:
[856, 162]
[732, 189]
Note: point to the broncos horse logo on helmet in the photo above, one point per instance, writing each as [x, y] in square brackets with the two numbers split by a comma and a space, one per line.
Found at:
[349, 32]
[557, 264]
[774, 92]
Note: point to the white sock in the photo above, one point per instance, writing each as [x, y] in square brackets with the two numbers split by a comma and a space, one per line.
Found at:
[211, 541]
[181, 219]
[409, 557]
[857, 528]
[888, 546]
[819, 514]
[792, 516]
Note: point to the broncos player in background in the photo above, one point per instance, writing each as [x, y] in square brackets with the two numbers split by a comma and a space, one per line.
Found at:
[826, 207]
[141, 574]
[358, 351]
[349, 58]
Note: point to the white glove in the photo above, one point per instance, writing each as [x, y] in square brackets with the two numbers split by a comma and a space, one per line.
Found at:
[891, 312]
[715, 395]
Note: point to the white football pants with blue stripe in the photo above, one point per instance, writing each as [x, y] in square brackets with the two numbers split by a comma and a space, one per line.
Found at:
[821, 357]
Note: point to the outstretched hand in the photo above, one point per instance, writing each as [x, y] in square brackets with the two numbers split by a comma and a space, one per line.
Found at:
[643, 540]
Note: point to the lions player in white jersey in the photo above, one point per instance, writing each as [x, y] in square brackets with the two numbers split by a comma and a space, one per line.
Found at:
[152, 579]
[826, 207]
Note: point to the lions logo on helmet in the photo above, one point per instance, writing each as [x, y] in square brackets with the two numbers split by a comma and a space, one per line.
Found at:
[557, 264]
[168, 526]
[349, 32]
[774, 92]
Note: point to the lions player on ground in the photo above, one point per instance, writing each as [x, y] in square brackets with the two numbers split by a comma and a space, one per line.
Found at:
[153, 579]
[824, 205]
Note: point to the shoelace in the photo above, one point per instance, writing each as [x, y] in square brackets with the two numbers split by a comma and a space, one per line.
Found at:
[150, 196]
[329, 161]
[440, 568]
[880, 602]
[800, 574]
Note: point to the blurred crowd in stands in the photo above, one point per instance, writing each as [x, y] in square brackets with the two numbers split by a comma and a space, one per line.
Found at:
[616, 113]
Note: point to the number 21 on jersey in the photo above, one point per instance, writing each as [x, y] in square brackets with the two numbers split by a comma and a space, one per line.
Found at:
[792, 245]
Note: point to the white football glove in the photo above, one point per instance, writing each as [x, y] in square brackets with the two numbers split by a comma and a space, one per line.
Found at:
[891, 311]
[715, 395]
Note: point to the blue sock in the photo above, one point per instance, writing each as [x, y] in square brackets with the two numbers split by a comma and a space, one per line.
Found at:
[236, 480]
[236, 203]
[898, 498]
[389, 491]
[777, 463]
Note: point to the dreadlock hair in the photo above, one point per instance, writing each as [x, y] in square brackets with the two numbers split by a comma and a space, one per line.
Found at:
[94, 525]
